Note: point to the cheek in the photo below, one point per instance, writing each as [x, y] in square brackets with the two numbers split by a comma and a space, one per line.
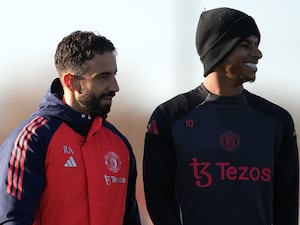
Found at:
[98, 87]
[234, 67]
[233, 63]
[86, 91]
[89, 89]
[233, 72]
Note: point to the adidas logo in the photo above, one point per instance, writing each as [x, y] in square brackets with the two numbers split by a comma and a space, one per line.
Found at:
[70, 162]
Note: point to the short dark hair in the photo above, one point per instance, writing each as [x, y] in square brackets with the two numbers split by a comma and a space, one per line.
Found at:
[77, 47]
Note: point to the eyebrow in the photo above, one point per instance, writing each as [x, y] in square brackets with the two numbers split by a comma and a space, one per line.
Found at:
[106, 73]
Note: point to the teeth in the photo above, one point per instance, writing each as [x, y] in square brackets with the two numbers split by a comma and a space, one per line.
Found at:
[251, 65]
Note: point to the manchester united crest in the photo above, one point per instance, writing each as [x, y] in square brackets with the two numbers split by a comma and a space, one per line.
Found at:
[113, 162]
[230, 141]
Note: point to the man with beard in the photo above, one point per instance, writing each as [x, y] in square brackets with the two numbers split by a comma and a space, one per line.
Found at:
[219, 154]
[67, 164]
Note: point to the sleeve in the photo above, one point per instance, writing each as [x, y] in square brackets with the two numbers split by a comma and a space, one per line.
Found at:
[21, 176]
[132, 216]
[286, 179]
[159, 171]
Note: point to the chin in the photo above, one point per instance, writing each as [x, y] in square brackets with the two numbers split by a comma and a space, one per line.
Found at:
[248, 78]
[104, 109]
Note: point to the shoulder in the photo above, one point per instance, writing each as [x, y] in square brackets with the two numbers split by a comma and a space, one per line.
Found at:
[34, 126]
[180, 105]
[117, 133]
[269, 108]
[34, 134]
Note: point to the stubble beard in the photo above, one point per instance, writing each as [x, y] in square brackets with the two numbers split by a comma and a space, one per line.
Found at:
[94, 107]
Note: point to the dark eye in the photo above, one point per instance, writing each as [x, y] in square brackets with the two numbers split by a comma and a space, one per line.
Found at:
[102, 76]
[245, 44]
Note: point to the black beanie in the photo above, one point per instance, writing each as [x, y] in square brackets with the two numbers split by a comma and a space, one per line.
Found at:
[219, 31]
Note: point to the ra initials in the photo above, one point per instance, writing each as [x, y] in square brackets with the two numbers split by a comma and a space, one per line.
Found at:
[68, 149]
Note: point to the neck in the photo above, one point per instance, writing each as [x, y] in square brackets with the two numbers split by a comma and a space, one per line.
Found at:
[222, 85]
[69, 99]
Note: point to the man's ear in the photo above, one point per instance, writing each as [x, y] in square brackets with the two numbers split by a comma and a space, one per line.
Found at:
[70, 82]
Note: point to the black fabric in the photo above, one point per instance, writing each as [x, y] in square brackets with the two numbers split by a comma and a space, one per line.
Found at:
[234, 157]
[219, 31]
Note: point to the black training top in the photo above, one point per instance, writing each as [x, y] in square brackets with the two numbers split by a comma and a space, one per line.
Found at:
[214, 160]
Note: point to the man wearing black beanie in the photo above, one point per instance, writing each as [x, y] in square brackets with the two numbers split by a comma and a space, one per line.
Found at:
[218, 154]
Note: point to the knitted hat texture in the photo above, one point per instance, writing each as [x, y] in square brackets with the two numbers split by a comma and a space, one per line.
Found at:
[219, 31]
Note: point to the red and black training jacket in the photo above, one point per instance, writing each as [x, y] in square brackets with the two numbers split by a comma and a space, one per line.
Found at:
[63, 167]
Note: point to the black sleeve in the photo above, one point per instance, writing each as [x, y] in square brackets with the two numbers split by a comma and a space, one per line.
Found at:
[286, 178]
[132, 216]
[159, 164]
[286, 165]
